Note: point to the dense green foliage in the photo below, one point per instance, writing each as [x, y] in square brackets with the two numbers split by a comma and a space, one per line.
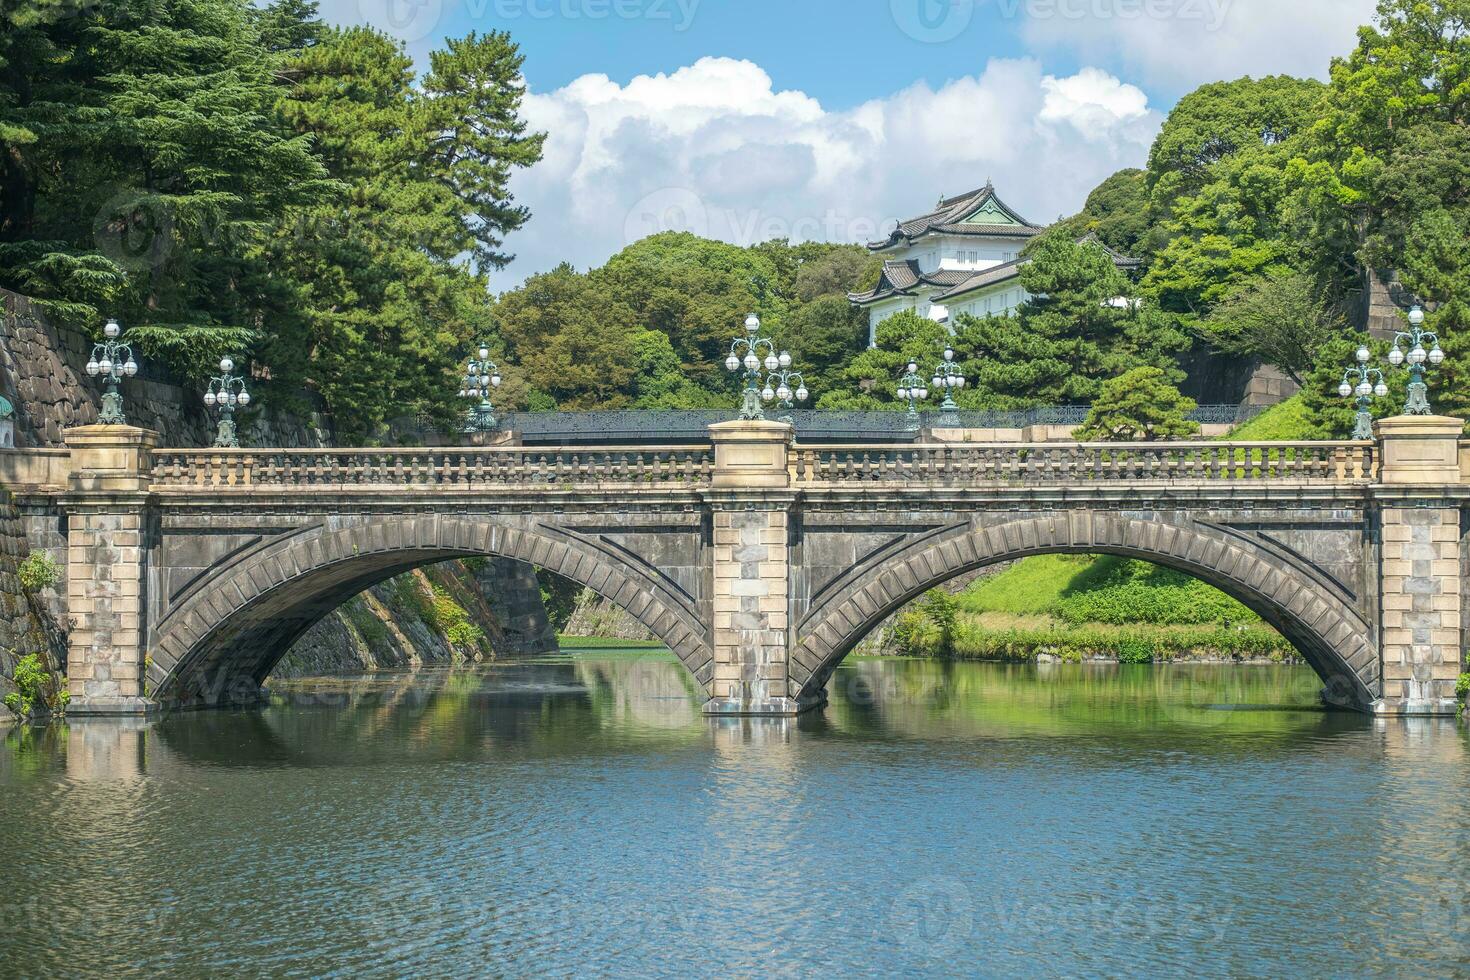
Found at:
[1286, 421]
[33, 687]
[1119, 591]
[1139, 406]
[228, 178]
[651, 328]
[1270, 200]
[38, 571]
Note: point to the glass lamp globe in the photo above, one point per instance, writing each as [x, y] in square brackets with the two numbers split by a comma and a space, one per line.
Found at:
[496, 379]
[209, 398]
[904, 394]
[949, 353]
[1396, 357]
[732, 363]
[767, 394]
[1436, 356]
[923, 393]
[105, 366]
[752, 323]
[959, 381]
[1417, 355]
[244, 398]
[1364, 390]
[484, 353]
[785, 359]
[93, 367]
[1363, 354]
[913, 368]
[111, 330]
[1416, 316]
[130, 368]
[802, 394]
[772, 362]
[463, 393]
[233, 398]
[783, 393]
[752, 362]
[1345, 390]
[1381, 390]
[226, 365]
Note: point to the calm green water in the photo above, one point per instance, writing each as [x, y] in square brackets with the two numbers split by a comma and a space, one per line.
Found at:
[577, 817]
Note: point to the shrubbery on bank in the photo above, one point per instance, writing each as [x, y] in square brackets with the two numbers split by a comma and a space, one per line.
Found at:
[1085, 607]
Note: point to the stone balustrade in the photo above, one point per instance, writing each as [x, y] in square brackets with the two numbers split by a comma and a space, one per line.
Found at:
[189, 470]
[1299, 463]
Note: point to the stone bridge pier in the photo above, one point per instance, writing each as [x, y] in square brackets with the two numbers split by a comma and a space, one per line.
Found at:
[761, 562]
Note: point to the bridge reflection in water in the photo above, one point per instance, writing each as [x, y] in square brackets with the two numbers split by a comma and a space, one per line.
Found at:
[938, 816]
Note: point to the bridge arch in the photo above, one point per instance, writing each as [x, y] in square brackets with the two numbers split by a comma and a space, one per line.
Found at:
[223, 638]
[1311, 610]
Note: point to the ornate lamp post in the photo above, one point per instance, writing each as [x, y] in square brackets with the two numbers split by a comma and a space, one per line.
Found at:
[481, 378]
[108, 362]
[1366, 383]
[1415, 339]
[225, 392]
[753, 344]
[911, 389]
[786, 387]
[948, 378]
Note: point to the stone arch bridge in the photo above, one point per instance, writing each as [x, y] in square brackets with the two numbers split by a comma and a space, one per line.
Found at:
[760, 561]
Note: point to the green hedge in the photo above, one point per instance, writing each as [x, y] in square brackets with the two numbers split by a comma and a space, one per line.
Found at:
[1075, 643]
[1121, 591]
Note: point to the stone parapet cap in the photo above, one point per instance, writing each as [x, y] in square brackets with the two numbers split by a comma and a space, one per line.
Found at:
[752, 454]
[1420, 450]
[90, 436]
[110, 458]
[1419, 426]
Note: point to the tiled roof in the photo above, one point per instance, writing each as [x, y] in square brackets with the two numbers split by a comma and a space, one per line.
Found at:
[985, 277]
[901, 277]
[949, 218]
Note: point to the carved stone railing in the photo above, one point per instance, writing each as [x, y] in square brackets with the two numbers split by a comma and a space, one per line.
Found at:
[675, 467]
[692, 467]
[1054, 464]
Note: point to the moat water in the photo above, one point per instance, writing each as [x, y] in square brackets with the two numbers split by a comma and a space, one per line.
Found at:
[577, 816]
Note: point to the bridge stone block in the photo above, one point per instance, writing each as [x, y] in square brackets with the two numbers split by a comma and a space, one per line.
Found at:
[1421, 560]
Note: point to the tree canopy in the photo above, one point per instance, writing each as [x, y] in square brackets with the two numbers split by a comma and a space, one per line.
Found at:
[228, 178]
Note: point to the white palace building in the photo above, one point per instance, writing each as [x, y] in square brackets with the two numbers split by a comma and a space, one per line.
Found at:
[962, 257]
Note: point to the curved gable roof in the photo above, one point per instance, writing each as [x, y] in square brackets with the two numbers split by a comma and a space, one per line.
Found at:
[978, 213]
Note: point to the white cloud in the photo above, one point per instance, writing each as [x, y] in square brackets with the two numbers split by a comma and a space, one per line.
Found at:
[1185, 43]
[714, 148]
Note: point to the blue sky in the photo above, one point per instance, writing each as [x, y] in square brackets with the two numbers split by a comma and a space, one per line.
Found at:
[829, 119]
[839, 51]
